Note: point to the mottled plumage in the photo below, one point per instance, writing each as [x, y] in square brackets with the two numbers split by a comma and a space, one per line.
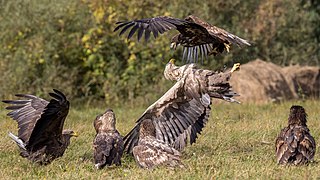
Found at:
[295, 145]
[151, 152]
[197, 37]
[181, 113]
[40, 135]
[108, 143]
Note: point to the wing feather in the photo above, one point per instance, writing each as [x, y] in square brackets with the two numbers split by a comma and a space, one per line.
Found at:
[50, 124]
[26, 112]
[174, 116]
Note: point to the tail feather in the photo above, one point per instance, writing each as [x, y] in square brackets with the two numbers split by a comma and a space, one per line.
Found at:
[19, 142]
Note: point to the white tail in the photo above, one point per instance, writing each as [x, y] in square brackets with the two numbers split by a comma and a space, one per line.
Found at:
[19, 142]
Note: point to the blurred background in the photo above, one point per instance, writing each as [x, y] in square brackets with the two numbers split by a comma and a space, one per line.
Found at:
[70, 45]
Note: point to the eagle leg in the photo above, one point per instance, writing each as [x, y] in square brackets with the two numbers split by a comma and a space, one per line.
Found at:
[227, 46]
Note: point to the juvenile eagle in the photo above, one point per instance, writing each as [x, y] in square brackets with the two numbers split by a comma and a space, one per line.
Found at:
[181, 113]
[195, 35]
[295, 145]
[40, 135]
[108, 144]
[151, 152]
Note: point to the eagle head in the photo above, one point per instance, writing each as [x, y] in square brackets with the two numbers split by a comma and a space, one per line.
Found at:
[297, 116]
[67, 134]
[105, 121]
[172, 72]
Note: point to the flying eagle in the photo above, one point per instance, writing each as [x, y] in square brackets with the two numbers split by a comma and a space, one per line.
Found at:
[151, 152]
[108, 143]
[197, 37]
[181, 113]
[40, 135]
[295, 145]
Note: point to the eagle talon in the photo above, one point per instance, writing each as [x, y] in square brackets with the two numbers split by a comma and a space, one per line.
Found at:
[235, 67]
[227, 46]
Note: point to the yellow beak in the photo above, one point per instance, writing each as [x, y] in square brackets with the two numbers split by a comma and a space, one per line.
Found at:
[171, 61]
[74, 134]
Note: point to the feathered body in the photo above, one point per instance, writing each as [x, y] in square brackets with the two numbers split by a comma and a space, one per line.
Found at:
[182, 112]
[197, 37]
[40, 136]
[151, 152]
[295, 145]
[108, 143]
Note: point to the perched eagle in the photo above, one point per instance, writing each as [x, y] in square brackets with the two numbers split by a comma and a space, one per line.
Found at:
[151, 152]
[108, 143]
[295, 145]
[181, 113]
[40, 135]
[197, 37]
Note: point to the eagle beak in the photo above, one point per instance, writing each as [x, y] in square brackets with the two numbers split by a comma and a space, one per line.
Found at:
[171, 61]
[74, 134]
[173, 45]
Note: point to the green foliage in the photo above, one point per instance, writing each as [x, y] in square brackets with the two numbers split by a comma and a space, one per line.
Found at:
[237, 143]
[70, 45]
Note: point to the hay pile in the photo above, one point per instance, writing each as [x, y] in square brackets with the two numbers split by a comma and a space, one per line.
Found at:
[303, 80]
[259, 81]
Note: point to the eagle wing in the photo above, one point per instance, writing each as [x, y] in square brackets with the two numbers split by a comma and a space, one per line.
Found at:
[226, 37]
[155, 25]
[26, 112]
[179, 115]
[50, 124]
[295, 146]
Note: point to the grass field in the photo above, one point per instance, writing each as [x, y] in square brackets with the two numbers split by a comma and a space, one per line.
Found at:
[237, 143]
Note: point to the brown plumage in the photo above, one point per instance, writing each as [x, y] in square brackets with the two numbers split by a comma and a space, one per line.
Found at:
[40, 136]
[197, 37]
[151, 152]
[108, 143]
[295, 145]
[181, 113]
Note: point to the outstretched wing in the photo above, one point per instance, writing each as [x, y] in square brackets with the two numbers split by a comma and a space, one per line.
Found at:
[26, 112]
[51, 122]
[225, 36]
[155, 25]
[179, 115]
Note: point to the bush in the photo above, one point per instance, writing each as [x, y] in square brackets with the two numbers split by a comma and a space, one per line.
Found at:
[70, 45]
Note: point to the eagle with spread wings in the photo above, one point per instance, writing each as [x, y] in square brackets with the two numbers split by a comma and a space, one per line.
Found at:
[41, 137]
[197, 37]
[295, 145]
[182, 112]
[108, 143]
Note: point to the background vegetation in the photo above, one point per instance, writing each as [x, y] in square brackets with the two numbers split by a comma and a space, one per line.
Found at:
[237, 143]
[70, 45]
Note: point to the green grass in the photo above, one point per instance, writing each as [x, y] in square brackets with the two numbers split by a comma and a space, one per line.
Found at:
[238, 143]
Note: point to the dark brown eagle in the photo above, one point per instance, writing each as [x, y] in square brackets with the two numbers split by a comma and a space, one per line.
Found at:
[151, 152]
[108, 143]
[40, 135]
[181, 113]
[295, 145]
[195, 35]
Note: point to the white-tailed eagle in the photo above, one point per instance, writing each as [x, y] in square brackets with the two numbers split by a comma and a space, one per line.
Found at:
[41, 137]
[108, 143]
[197, 37]
[295, 145]
[181, 113]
